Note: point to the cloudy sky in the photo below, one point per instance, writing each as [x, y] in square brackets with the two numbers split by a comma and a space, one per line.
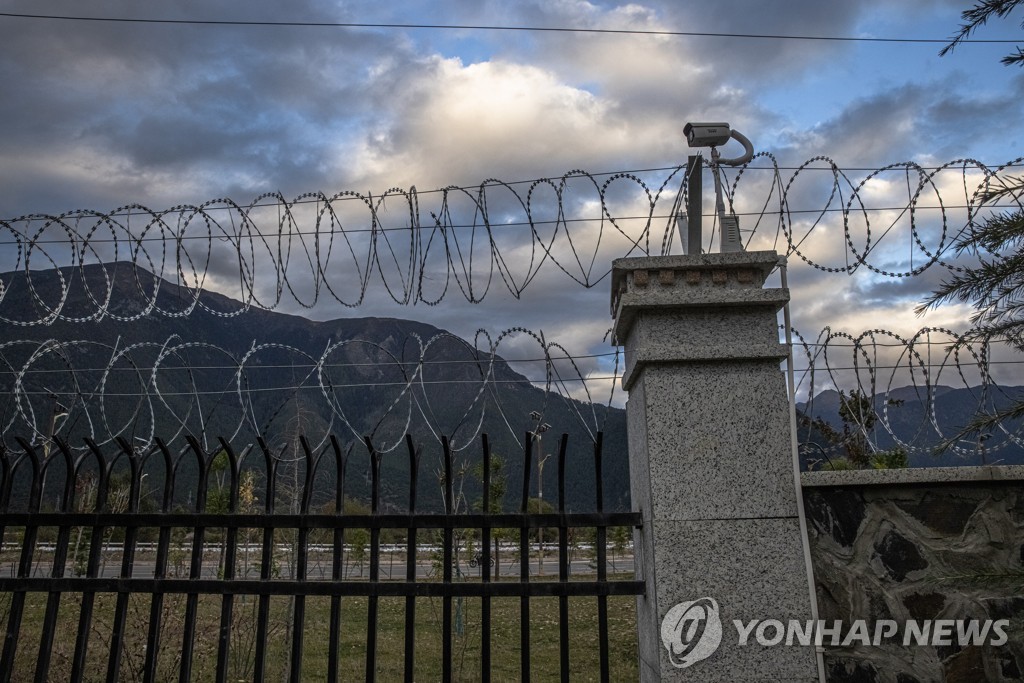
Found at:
[98, 115]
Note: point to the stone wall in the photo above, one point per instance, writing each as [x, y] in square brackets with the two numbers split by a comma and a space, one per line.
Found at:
[917, 544]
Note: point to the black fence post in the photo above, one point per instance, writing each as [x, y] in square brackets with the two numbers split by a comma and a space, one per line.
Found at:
[60, 553]
[372, 606]
[78, 663]
[127, 560]
[28, 543]
[485, 565]
[410, 565]
[228, 565]
[156, 610]
[266, 561]
[563, 566]
[337, 563]
[448, 533]
[196, 562]
[524, 563]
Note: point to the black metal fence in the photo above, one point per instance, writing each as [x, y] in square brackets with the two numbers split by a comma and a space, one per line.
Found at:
[109, 571]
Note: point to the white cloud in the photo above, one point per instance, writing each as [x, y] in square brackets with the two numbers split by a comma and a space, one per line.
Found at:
[461, 121]
[105, 115]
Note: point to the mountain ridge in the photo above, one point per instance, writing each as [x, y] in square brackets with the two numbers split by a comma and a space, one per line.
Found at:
[365, 376]
[906, 411]
[366, 373]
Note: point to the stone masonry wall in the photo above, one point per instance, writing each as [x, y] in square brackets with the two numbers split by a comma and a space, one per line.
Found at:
[918, 544]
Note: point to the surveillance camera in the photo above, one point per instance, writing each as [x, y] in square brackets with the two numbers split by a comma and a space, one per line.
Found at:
[706, 134]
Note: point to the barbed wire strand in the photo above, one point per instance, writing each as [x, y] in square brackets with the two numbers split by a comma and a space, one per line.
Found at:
[133, 263]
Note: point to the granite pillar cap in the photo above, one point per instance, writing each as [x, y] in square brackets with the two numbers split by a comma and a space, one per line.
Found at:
[692, 281]
[762, 263]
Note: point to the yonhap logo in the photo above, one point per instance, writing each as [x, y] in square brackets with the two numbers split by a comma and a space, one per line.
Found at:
[691, 631]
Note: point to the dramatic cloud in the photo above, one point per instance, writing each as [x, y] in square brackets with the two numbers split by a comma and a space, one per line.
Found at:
[100, 115]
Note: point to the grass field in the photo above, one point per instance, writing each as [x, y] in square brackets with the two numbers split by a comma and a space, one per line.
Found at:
[504, 639]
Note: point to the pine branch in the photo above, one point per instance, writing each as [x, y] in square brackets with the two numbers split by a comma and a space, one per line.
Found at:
[981, 424]
[986, 286]
[1011, 59]
[997, 283]
[978, 16]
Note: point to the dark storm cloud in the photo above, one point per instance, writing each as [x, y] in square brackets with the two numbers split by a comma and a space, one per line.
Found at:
[267, 103]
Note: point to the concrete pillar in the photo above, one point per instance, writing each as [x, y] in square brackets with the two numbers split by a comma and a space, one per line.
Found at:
[711, 466]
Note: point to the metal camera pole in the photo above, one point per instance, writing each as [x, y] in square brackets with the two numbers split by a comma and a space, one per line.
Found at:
[714, 135]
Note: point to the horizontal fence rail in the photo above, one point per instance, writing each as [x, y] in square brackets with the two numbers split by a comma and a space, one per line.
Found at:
[108, 575]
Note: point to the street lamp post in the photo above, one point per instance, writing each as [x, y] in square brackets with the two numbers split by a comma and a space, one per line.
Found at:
[978, 444]
[540, 428]
[57, 410]
[982, 438]
[540, 506]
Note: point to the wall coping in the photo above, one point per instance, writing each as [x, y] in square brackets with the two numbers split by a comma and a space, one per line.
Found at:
[913, 475]
[760, 262]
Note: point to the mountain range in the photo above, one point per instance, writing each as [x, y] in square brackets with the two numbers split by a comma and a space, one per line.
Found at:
[366, 377]
[907, 416]
[385, 376]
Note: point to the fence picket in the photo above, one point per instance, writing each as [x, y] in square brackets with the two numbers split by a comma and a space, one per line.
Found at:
[110, 512]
